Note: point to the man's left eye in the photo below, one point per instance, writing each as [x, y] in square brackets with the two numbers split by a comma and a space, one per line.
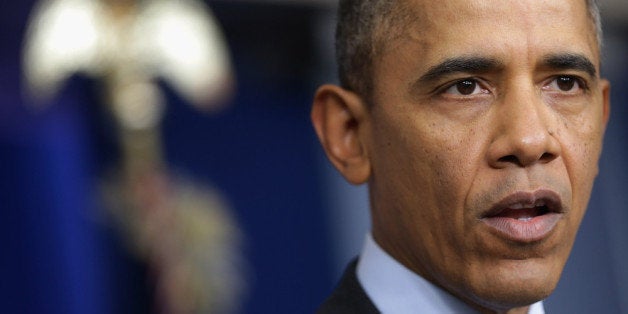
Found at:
[566, 83]
[465, 87]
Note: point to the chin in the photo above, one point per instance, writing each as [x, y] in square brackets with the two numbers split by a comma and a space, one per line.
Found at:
[521, 296]
[516, 284]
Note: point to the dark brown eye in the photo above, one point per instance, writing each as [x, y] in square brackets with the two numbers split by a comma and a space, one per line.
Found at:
[466, 87]
[565, 83]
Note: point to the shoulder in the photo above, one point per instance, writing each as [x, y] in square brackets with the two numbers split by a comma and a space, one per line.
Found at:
[348, 296]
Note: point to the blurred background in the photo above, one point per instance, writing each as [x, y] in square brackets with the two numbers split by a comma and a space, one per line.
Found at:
[229, 205]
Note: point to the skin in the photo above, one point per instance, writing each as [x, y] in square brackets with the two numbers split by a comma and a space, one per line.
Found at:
[436, 160]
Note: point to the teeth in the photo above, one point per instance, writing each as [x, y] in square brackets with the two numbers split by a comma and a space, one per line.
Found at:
[524, 218]
[538, 203]
[521, 206]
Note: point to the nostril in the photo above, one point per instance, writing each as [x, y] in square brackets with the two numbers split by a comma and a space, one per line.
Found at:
[509, 159]
[546, 157]
[513, 159]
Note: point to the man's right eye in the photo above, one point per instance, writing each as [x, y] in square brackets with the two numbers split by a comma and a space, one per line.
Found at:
[465, 87]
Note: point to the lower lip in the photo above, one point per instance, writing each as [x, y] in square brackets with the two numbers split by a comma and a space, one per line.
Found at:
[528, 231]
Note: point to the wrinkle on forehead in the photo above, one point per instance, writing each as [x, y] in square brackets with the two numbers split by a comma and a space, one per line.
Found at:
[527, 21]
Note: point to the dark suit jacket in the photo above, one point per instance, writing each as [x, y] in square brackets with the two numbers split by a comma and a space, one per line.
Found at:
[348, 297]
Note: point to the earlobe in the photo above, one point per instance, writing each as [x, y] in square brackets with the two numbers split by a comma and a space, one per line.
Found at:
[339, 118]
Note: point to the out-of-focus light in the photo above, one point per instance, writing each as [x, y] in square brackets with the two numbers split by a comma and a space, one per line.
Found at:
[184, 44]
[176, 40]
[63, 40]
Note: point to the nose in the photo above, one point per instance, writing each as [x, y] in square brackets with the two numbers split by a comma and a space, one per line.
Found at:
[525, 132]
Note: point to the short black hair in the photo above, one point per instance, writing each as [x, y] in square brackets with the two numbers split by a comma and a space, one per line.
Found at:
[356, 44]
[363, 28]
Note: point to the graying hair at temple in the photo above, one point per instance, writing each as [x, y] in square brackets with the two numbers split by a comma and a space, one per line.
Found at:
[359, 40]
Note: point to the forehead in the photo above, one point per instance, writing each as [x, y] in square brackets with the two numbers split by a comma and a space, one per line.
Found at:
[521, 30]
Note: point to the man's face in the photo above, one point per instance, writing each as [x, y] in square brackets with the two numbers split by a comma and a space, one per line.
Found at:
[483, 140]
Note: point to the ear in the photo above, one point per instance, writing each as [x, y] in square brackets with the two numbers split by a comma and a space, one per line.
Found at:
[339, 117]
[606, 98]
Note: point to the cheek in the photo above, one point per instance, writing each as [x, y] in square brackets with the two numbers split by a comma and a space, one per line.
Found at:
[455, 154]
[582, 146]
[435, 165]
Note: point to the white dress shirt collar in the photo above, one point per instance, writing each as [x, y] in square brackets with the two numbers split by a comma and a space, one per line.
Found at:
[395, 289]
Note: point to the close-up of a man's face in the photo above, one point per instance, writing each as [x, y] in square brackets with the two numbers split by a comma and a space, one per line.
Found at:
[480, 143]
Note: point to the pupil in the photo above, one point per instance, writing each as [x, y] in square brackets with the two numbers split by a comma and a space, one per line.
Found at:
[565, 83]
[466, 87]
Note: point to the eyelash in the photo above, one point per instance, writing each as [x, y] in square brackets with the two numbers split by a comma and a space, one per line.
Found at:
[442, 89]
[582, 83]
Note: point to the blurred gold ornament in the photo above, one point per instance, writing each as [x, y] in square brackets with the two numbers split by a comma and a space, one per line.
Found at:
[182, 229]
[177, 40]
[192, 244]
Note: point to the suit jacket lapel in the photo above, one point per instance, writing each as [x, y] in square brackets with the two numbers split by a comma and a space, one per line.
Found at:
[349, 296]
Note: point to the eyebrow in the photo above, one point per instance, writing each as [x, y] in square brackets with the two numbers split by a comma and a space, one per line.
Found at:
[460, 65]
[569, 61]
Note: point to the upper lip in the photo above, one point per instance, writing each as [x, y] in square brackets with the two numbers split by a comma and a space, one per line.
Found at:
[547, 198]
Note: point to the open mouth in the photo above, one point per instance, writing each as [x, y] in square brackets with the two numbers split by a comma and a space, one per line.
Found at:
[523, 212]
[525, 216]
